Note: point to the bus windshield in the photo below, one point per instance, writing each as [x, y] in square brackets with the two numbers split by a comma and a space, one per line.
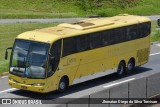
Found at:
[29, 59]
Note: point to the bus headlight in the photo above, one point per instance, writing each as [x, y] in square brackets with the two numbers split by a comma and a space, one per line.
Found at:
[39, 84]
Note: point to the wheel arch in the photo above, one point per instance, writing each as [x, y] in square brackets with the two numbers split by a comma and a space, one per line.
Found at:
[132, 58]
[66, 78]
[123, 62]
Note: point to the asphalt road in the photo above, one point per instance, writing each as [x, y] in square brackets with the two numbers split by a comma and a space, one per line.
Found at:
[40, 20]
[153, 17]
[85, 88]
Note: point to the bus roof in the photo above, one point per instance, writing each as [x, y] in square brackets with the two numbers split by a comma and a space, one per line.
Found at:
[48, 35]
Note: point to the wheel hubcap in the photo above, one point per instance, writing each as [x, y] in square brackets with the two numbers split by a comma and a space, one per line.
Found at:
[121, 69]
[130, 66]
[62, 85]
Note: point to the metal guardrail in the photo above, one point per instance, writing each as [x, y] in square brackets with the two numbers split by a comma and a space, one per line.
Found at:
[145, 88]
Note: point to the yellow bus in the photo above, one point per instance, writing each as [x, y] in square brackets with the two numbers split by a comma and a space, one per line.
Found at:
[54, 58]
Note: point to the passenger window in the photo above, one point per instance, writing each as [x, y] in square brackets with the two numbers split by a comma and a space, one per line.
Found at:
[106, 37]
[95, 40]
[132, 32]
[140, 30]
[144, 29]
[82, 43]
[54, 59]
[119, 34]
[69, 46]
[147, 29]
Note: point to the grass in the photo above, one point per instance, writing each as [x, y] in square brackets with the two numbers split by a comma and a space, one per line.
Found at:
[38, 9]
[75, 8]
[155, 33]
[8, 32]
[156, 37]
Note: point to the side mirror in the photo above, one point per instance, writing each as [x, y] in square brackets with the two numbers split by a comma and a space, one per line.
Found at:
[6, 54]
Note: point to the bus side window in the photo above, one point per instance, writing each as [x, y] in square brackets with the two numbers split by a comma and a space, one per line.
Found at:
[144, 29]
[147, 28]
[140, 30]
[55, 54]
[82, 43]
[95, 40]
[119, 35]
[111, 37]
[69, 46]
[106, 37]
[132, 32]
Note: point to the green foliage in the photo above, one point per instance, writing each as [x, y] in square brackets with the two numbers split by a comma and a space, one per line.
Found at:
[88, 5]
[156, 37]
[75, 8]
[125, 3]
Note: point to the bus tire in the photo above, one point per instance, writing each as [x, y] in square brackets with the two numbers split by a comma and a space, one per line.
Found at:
[121, 68]
[63, 84]
[130, 65]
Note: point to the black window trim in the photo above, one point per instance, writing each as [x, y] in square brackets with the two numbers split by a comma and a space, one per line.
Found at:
[101, 32]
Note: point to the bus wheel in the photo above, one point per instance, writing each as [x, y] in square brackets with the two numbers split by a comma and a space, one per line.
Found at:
[130, 65]
[121, 68]
[63, 84]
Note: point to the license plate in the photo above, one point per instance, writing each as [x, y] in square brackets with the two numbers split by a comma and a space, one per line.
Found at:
[24, 87]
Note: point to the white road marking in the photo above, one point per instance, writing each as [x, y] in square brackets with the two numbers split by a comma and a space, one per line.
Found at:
[4, 77]
[10, 89]
[158, 45]
[118, 83]
[154, 54]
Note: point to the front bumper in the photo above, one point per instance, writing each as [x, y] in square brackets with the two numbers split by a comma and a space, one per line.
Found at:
[40, 89]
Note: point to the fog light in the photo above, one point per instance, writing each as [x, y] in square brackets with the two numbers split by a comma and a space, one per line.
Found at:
[39, 84]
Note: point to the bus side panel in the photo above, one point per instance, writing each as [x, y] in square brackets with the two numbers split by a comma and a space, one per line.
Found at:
[68, 66]
[137, 49]
[108, 58]
[52, 82]
[90, 63]
[143, 50]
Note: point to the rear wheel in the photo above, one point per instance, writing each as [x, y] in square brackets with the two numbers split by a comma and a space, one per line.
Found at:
[130, 65]
[121, 68]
